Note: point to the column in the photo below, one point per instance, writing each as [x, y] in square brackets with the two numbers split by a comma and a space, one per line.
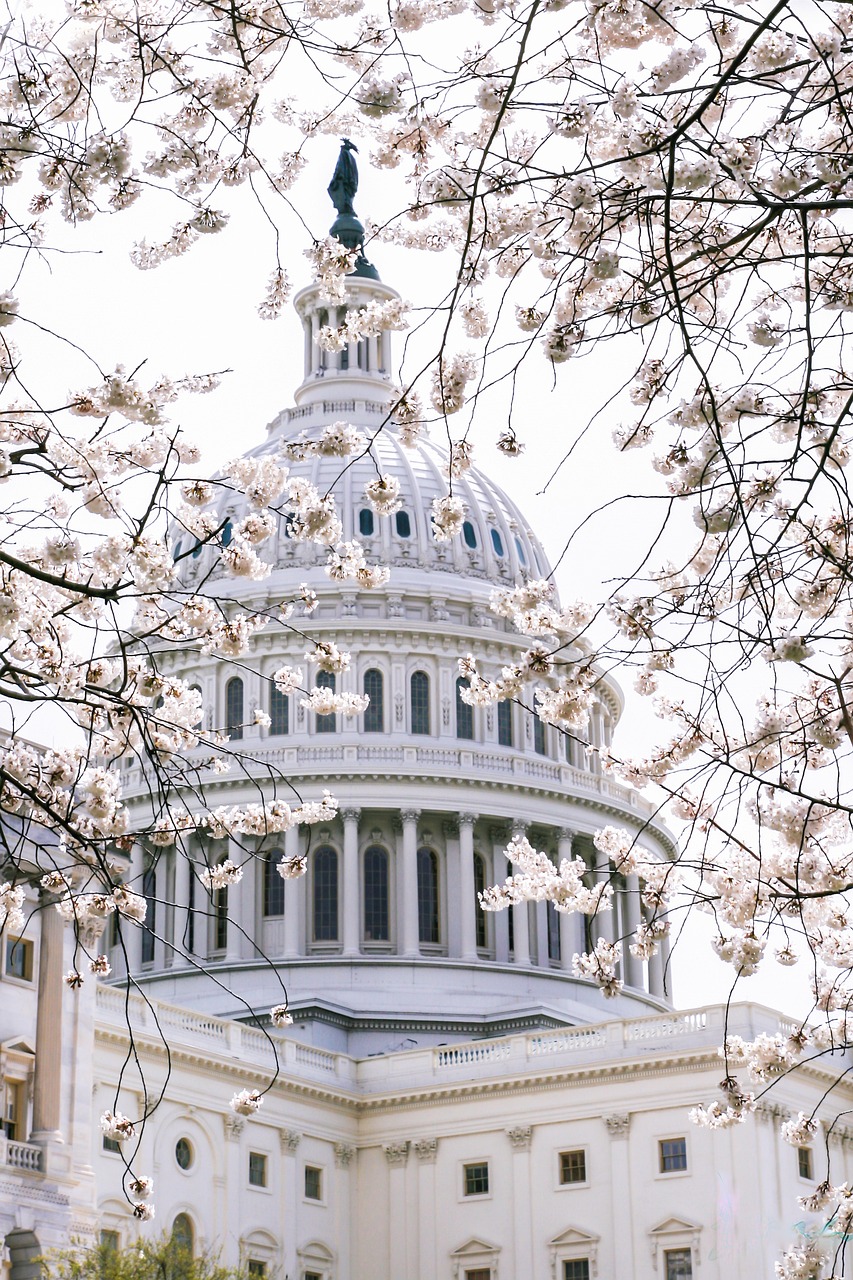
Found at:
[664, 959]
[351, 896]
[409, 939]
[426, 1151]
[521, 923]
[246, 902]
[48, 1065]
[316, 354]
[397, 1154]
[129, 933]
[655, 971]
[572, 927]
[453, 933]
[294, 899]
[521, 1137]
[344, 1154]
[466, 884]
[618, 1127]
[540, 916]
[603, 923]
[78, 1034]
[187, 922]
[386, 352]
[500, 919]
[289, 1139]
[632, 968]
[235, 906]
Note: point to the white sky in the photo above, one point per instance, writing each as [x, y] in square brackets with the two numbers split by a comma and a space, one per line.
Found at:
[198, 314]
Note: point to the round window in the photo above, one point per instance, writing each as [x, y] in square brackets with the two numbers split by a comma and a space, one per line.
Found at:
[183, 1153]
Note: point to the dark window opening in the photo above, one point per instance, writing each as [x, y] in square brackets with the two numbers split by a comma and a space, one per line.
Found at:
[234, 708]
[419, 686]
[403, 524]
[505, 724]
[572, 1167]
[325, 895]
[326, 724]
[279, 711]
[428, 922]
[273, 884]
[374, 716]
[376, 895]
[476, 1179]
[469, 535]
[479, 887]
[554, 948]
[227, 533]
[673, 1155]
[497, 543]
[366, 522]
[464, 712]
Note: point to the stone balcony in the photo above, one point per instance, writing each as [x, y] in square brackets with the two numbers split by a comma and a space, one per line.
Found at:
[24, 1157]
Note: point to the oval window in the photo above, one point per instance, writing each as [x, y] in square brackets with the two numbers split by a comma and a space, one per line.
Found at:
[470, 535]
[227, 533]
[177, 551]
[183, 1153]
[365, 522]
[496, 543]
[197, 550]
[404, 524]
[520, 549]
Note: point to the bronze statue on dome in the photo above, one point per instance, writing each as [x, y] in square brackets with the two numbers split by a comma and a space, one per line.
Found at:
[344, 182]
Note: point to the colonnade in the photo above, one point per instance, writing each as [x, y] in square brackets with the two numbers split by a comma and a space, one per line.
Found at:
[466, 850]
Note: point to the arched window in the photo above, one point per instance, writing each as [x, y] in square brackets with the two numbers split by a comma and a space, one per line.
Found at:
[279, 711]
[149, 893]
[464, 712]
[227, 532]
[183, 1236]
[366, 523]
[220, 917]
[505, 724]
[553, 932]
[510, 916]
[374, 716]
[273, 884]
[520, 549]
[419, 686]
[403, 524]
[197, 550]
[326, 724]
[234, 708]
[376, 894]
[469, 534]
[539, 737]
[177, 550]
[479, 887]
[497, 543]
[325, 895]
[428, 925]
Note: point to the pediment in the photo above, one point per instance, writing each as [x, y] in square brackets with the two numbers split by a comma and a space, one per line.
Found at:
[20, 1045]
[573, 1236]
[674, 1226]
[474, 1246]
[316, 1251]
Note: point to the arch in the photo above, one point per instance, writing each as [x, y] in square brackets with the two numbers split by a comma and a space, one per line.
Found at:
[376, 894]
[325, 895]
[326, 724]
[374, 687]
[464, 711]
[183, 1233]
[273, 884]
[234, 708]
[429, 929]
[505, 723]
[149, 893]
[279, 711]
[419, 698]
[24, 1254]
[479, 913]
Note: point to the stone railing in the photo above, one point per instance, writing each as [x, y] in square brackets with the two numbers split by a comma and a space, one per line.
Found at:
[25, 1156]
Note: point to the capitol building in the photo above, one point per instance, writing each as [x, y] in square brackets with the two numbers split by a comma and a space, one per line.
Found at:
[450, 1103]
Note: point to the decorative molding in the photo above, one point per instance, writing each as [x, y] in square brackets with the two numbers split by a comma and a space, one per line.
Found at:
[396, 1153]
[410, 815]
[676, 1233]
[351, 814]
[343, 1154]
[426, 1149]
[520, 1136]
[234, 1126]
[618, 1125]
[771, 1112]
[290, 1140]
[468, 819]
[571, 1244]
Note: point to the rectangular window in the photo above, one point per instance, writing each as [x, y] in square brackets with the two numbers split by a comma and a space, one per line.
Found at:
[479, 1273]
[312, 1275]
[13, 1110]
[279, 711]
[256, 1268]
[110, 1241]
[554, 947]
[576, 1269]
[476, 1179]
[505, 724]
[572, 1167]
[257, 1169]
[110, 1144]
[313, 1183]
[804, 1162]
[673, 1155]
[678, 1264]
[19, 959]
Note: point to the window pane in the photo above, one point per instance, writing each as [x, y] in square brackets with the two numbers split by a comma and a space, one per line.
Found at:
[404, 524]
[182, 1233]
[479, 887]
[149, 893]
[313, 1183]
[673, 1155]
[234, 708]
[554, 950]
[325, 724]
[497, 543]
[365, 522]
[374, 716]
[376, 895]
[572, 1167]
[470, 535]
[420, 702]
[110, 1240]
[273, 884]
[257, 1269]
[279, 711]
[227, 533]
[183, 1153]
[427, 896]
[257, 1169]
[679, 1264]
[576, 1269]
[220, 920]
[476, 1179]
[479, 1273]
[539, 737]
[464, 712]
[19, 959]
[804, 1162]
[505, 724]
[325, 895]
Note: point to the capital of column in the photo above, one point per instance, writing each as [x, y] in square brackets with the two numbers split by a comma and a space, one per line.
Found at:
[343, 1154]
[396, 1152]
[350, 815]
[520, 829]
[565, 833]
[426, 1149]
[618, 1125]
[410, 815]
[233, 1127]
[467, 819]
[289, 1140]
[520, 1136]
